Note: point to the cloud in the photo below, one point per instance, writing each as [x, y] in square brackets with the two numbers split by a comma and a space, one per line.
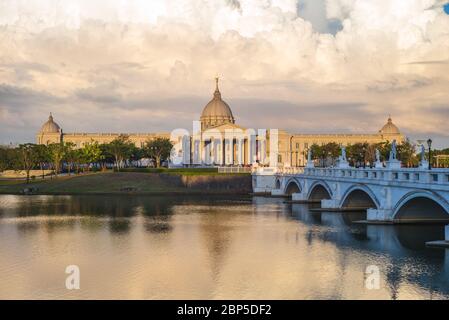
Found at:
[315, 11]
[115, 60]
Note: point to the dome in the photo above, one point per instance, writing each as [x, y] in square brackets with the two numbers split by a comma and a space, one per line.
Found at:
[50, 126]
[389, 128]
[217, 112]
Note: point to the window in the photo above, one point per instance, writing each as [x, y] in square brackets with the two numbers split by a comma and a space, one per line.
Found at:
[297, 146]
[279, 158]
[306, 145]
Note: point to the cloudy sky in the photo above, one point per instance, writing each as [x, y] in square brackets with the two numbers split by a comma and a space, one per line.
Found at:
[300, 65]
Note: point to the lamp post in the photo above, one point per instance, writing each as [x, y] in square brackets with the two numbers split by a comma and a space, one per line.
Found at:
[429, 144]
[363, 157]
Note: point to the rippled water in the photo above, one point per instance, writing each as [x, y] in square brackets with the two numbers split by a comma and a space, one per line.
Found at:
[209, 248]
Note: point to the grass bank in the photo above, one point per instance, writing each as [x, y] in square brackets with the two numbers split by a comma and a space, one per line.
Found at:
[135, 183]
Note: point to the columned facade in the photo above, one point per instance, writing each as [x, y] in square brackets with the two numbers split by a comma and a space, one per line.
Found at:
[217, 141]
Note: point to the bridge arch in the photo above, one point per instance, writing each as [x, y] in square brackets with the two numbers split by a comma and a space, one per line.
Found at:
[319, 190]
[292, 186]
[359, 196]
[421, 205]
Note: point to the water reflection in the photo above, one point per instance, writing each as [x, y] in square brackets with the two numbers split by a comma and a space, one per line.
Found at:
[215, 247]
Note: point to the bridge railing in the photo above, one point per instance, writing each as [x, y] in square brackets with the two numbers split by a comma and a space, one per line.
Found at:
[234, 170]
[278, 171]
[413, 175]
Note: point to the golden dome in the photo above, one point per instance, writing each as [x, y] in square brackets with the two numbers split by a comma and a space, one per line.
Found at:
[50, 126]
[389, 128]
[217, 112]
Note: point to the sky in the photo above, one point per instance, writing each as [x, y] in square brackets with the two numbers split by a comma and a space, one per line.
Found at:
[305, 66]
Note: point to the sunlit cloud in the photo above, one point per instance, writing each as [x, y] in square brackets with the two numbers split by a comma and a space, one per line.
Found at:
[149, 65]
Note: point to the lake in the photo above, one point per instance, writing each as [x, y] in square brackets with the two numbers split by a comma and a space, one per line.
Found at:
[148, 247]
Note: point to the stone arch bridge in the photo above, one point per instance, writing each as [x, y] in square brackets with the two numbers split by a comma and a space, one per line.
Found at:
[393, 195]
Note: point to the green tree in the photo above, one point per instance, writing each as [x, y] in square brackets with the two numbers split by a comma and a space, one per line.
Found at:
[57, 152]
[107, 156]
[137, 154]
[325, 153]
[384, 149]
[27, 158]
[91, 153]
[7, 158]
[158, 149]
[332, 150]
[358, 153]
[406, 153]
[120, 148]
[316, 151]
[43, 157]
[72, 156]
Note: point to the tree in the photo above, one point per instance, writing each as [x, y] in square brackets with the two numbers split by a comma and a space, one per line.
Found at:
[107, 157]
[27, 158]
[358, 153]
[158, 149]
[406, 153]
[137, 154]
[72, 156]
[43, 157]
[120, 148]
[326, 153]
[316, 151]
[91, 153]
[7, 158]
[57, 152]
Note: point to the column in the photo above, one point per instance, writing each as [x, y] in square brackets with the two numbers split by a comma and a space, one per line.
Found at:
[274, 148]
[229, 152]
[219, 152]
[207, 150]
[252, 149]
[185, 150]
[196, 152]
[240, 154]
[262, 151]
[203, 151]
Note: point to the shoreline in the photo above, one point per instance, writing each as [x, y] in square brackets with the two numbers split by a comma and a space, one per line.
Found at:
[154, 193]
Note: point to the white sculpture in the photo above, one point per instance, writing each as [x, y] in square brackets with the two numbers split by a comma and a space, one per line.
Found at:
[342, 160]
[310, 163]
[393, 152]
[343, 154]
[378, 163]
[393, 162]
[377, 155]
[424, 164]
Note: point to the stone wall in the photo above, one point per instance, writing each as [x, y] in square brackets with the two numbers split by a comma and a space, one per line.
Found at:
[10, 174]
[232, 184]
